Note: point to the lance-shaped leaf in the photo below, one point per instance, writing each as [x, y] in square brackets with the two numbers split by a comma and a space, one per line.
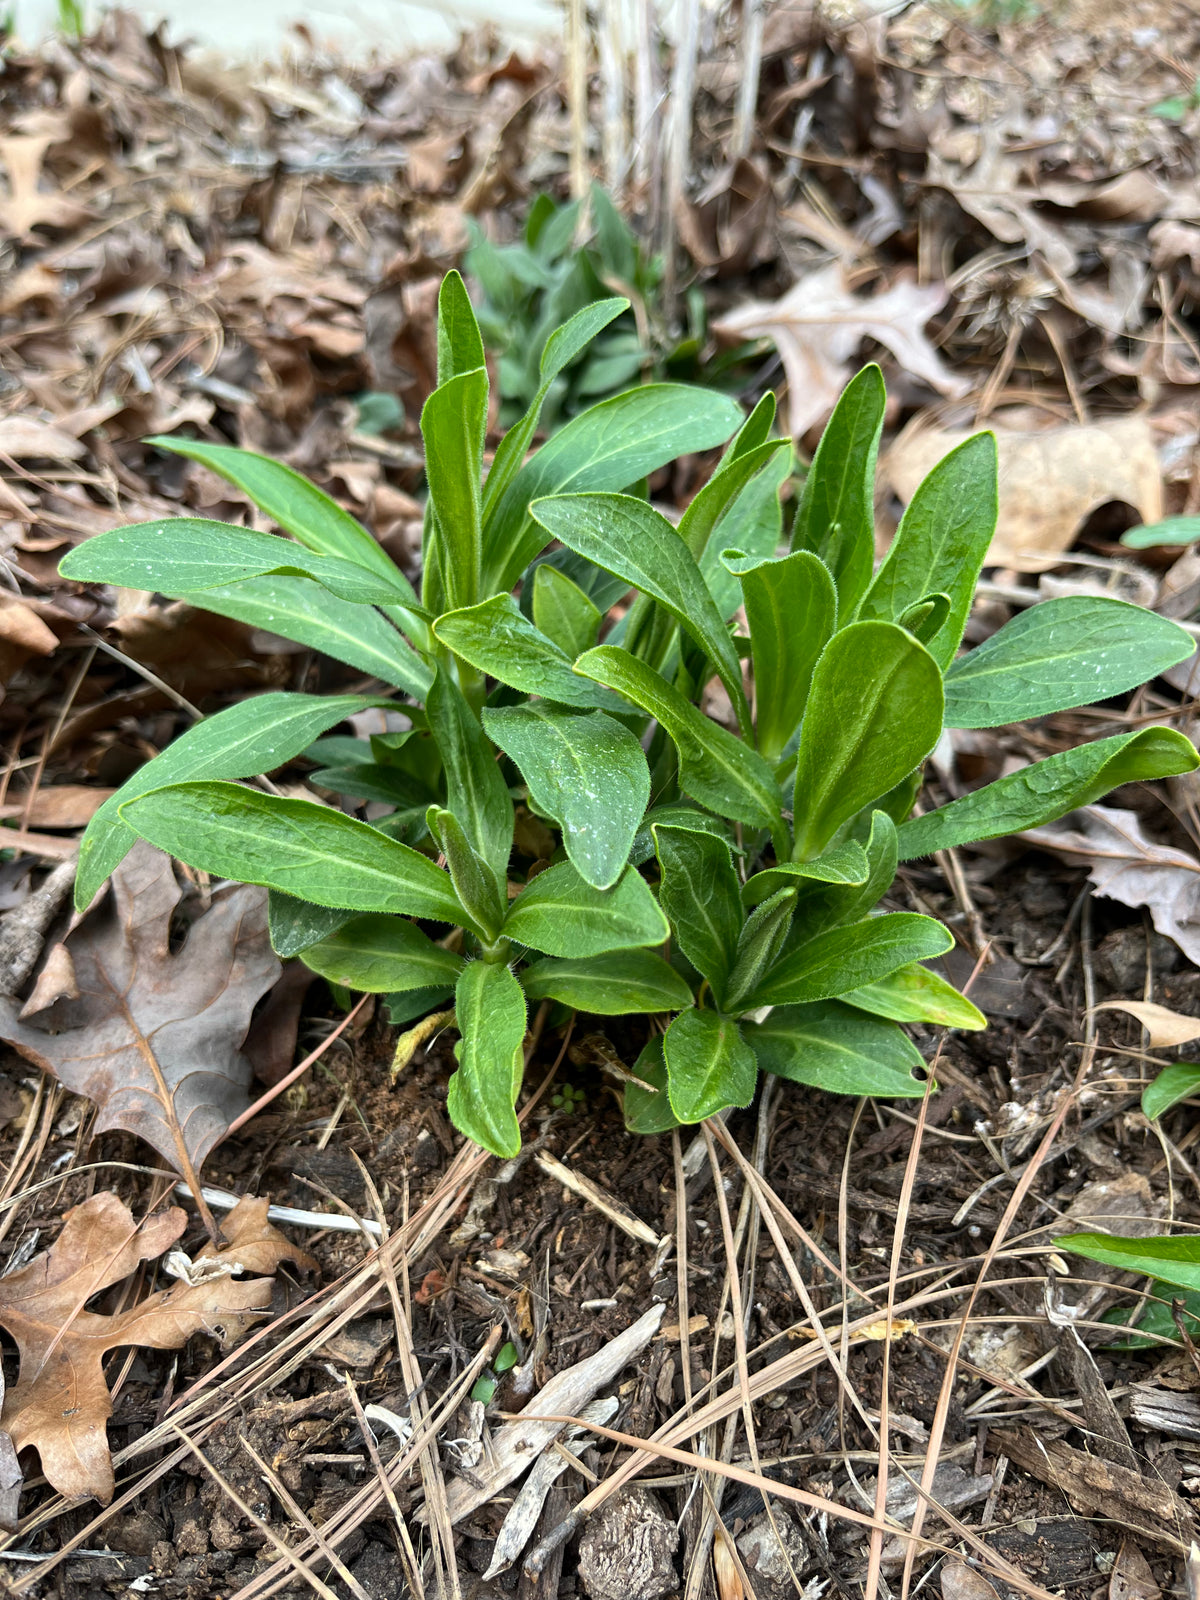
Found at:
[1174, 1260]
[714, 767]
[648, 1110]
[1047, 790]
[836, 514]
[829, 905]
[459, 342]
[242, 741]
[186, 555]
[474, 881]
[306, 850]
[833, 1047]
[628, 537]
[916, 994]
[563, 612]
[475, 788]
[607, 447]
[1061, 653]
[845, 864]
[295, 504]
[791, 606]
[848, 958]
[680, 815]
[709, 1065]
[561, 915]
[585, 770]
[299, 609]
[941, 543]
[60, 1403]
[489, 1008]
[874, 713]
[707, 507]
[760, 943]
[699, 893]
[560, 349]
[294, 924]
[497, 638]
[611, 985]
[154, 1038]
[1179, 1081]
[453, 424]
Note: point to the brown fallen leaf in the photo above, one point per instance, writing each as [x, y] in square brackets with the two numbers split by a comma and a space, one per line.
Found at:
[961, 1582]
[1132, 1576]
[60, 1403]
[28, 439]
[27, 205]
[1049, 481]
[154, 1037]
[1124, 865]
[64, 805]
[819, 325]
[1166, 1028]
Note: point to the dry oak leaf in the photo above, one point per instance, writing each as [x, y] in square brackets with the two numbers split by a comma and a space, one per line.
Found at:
[60, 1403]
[155, 1037]
[1050, 481]
[27, 205]
[818, 326]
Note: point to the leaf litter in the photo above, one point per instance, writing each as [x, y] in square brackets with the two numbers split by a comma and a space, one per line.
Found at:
[990, 207]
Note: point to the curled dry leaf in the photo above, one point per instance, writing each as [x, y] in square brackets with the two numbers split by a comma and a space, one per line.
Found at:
[1049, 481]
[155, 1038]
[1166, 1028]
[60, 1403]
[1124, 865]
[819, 325]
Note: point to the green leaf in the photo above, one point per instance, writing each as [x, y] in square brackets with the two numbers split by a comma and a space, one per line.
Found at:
[835, 1048]
[1171, 530]
[1058, 654]
[607, 447]
[186, 555]
[378, 954]
[941, 543]
[295, 924]
[475, 788]
[497, 638]
[926, 619]
[1173, 1259]
[915, 994]
[829, 905]
[371, 780]
[490, 1010]
[585, 770]
[299, 609]
[561, 915]
[611, 985]
[562, 612]
[306, 850]
[715, 768]
[761, 940]
[874, 713]
[845, 864]
[1179, 1081]
[474, 881]
[791, 606]
[407, 1005]
[699, 893]
[563, 346]
[626, 536]
[709, 1065]
[710, 503]
[836, 515]
[1047, 790]
[647, 1112]
[459, 345]
[754, 524]
[675, 816]
[293, 503]
[453, 424]
[242, 741]
[850, 957]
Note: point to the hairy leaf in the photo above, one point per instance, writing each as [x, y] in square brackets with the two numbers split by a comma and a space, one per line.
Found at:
[648, 1110]
[836, 1048]
[849, 957]
[699, 893]
[915, 994]
[709, 1065]
[562, 915]
[497, 638]
[611, 985]
[490, 1010]
[382, 954]
[475, 788]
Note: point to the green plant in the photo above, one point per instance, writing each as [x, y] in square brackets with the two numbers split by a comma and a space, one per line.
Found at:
[71, 19]
[530, 288]
[766, 850]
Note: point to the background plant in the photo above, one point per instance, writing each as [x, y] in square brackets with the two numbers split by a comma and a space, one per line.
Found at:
[563, 801]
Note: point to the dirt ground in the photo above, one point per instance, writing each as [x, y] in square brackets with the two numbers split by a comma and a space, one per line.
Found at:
[244, 256]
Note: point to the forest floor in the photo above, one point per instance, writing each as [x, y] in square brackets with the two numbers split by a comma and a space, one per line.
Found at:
[1004, 209]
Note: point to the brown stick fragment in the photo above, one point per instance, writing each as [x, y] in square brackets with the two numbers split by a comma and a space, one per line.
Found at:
[23, 930]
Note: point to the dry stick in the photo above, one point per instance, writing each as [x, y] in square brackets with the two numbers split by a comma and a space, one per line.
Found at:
[577, 95]
[1017, 1199]
[681, 1266]
[286, 1551]
[407, 1554]
[645, 102]
[286, 1082]
[902, 1208]
[679, 134]
[612, 77]
[747, 95]
[293, 1510]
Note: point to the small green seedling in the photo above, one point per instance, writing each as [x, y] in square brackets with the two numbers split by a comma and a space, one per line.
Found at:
[723, 873]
